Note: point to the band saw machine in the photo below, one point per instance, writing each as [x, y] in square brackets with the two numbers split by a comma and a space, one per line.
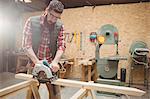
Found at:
[107, 67]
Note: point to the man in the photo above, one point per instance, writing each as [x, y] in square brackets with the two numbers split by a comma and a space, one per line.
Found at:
[43, 39]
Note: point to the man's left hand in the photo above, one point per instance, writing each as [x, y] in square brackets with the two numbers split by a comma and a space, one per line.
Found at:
[55, 66]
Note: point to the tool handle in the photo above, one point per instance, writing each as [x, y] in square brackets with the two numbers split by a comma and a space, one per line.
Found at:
[45, 62]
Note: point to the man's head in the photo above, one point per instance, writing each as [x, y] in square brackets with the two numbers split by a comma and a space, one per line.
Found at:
[54, 11]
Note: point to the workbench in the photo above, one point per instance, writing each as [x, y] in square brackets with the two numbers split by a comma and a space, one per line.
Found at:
[67, 65]
[89, 68]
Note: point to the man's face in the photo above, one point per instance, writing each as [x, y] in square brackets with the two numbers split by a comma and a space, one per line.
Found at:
[52, 16]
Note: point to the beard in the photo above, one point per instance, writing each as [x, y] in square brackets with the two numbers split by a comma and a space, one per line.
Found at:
[51, 21]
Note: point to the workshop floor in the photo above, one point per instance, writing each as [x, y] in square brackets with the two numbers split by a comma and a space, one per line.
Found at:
[67, 92]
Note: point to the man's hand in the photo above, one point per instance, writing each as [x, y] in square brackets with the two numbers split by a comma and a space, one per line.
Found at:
[55, 66]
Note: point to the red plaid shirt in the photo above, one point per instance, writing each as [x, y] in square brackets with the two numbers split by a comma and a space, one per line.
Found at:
[44, 50]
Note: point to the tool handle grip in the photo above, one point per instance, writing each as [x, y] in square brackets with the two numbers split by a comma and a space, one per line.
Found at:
[45, 62]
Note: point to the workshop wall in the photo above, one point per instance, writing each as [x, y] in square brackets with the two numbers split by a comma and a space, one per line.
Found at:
[147, 24]
[132, 21]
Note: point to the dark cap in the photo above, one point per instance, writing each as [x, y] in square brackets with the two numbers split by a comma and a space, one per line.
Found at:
[55, 5]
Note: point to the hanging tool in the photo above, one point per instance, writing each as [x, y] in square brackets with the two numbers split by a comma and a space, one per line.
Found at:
[66, 37]
[75, 37]
[80, 41]
[116, 41]
[71, 38]
[93, 36]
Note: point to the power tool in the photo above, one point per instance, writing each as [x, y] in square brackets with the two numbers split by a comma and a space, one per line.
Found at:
[43, 72]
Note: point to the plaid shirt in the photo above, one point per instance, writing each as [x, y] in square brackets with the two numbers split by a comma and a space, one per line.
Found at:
[43, 50]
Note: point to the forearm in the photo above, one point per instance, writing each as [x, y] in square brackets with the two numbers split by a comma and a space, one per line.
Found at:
[58, 55]
[30, 53]
[61, 45]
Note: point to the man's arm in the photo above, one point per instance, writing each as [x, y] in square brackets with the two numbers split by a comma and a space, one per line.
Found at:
[60, 50]
[27, 42]
[58, 55]
[30, 53]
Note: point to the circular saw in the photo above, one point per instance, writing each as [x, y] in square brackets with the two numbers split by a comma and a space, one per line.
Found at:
[43, 72]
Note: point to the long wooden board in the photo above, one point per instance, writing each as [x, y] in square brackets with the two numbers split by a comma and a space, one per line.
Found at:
[10, 87]
[15, 87]
[100, 87]
[92, 86]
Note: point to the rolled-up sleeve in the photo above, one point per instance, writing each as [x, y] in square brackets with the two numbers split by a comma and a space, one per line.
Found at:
[61, 42]
[27, 35]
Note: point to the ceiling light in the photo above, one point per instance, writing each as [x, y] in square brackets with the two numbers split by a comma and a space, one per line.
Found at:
[26, 1]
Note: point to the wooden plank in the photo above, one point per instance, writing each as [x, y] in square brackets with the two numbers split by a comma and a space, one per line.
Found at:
[95, 72]
[35, 90]
[100, 87]
[92, 91]
[18, 86]
[92, 94]
[79, 94]
[24, 76]
[89, 72]
[97, 86]
[29, 93]
[8, 79]
[15, 87]
[83, 73]
[10, 86]
[16, 94]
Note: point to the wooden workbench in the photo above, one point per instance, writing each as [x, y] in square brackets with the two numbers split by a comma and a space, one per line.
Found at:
[89, 66]
[67, 65]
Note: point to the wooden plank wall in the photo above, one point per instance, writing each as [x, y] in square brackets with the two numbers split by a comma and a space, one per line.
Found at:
[132, 21]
